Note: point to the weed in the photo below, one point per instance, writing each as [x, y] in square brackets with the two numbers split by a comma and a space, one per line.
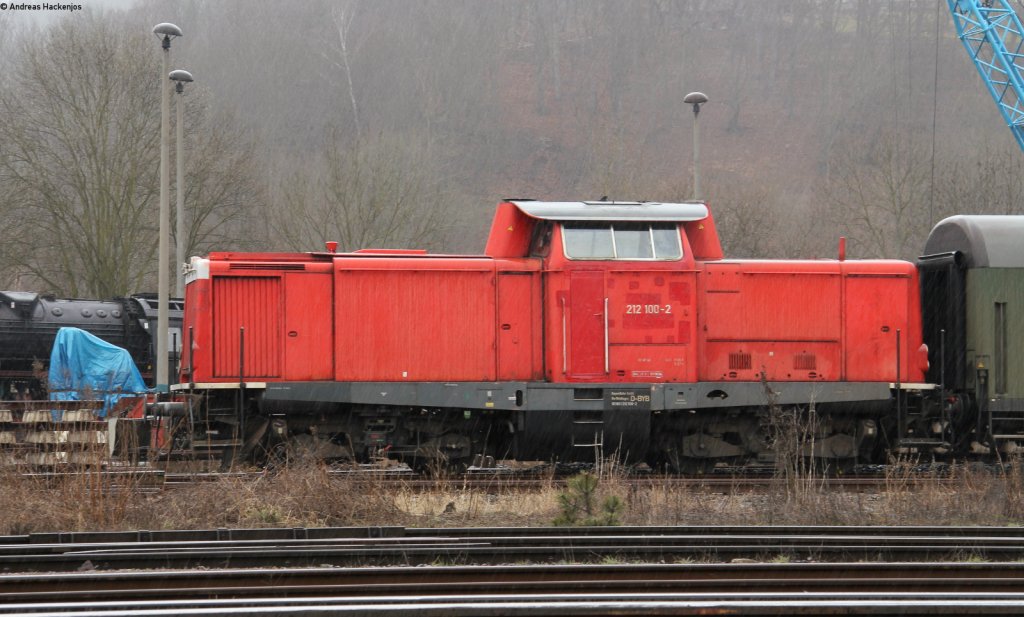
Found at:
[266, 515]
[309, 495]
[578, 504]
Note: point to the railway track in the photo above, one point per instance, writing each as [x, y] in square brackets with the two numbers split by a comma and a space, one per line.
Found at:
[153, 480]
[386, 546]
[516, 571]
[905, 589]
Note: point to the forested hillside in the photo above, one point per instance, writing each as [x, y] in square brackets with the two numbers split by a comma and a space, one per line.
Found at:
[393, 123]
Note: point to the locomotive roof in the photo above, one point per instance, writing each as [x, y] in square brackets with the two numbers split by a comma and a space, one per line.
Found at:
[986, 241]
[613, 210]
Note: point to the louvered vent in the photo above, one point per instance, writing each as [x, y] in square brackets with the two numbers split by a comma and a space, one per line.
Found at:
[244, 302]
[739, 361]
[805, 362]
[252, 266]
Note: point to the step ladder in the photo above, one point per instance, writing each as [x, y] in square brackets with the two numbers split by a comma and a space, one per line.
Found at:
[909, 411]
[588, 431]
[1006, 424]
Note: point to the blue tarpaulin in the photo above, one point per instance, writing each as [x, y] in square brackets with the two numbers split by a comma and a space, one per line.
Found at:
[83, 366]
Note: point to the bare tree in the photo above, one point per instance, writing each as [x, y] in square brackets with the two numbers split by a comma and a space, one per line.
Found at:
[79, 122]
[367, 194]
[343, 15]
[988, 181]
[880, 199]
[223, 181]
[747, 218]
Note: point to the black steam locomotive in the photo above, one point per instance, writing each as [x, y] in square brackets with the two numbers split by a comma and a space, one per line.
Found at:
[29, 323]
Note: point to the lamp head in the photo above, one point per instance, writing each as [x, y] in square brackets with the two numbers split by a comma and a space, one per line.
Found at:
[180, 78]
[696, 99]
[166, 31]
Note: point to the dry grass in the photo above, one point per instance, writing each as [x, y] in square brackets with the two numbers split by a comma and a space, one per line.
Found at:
[311, 497]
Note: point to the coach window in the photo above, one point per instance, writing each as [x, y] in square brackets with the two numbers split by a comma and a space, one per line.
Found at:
[624, 241]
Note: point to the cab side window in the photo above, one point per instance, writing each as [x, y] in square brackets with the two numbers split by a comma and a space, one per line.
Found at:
[588, 241]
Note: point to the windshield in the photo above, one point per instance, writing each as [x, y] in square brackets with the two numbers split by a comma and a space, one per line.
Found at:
[622, 241]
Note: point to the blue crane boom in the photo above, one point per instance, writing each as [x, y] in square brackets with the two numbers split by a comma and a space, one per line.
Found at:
[994, 38]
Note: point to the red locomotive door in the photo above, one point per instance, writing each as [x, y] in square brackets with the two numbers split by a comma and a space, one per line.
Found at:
[588, 324]
[309, 326]
[515, 325]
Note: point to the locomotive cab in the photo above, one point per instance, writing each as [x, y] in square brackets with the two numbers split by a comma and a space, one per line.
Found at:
[619, 288]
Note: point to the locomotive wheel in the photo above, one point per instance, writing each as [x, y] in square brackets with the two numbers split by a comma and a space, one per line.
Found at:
[688, 465]
[829, 467]
[233, 455]
[278, 456]
[697, 466]
[439, 466]
[836, 467]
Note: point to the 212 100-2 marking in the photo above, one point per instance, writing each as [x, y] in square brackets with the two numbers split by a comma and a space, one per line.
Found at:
[648, 309]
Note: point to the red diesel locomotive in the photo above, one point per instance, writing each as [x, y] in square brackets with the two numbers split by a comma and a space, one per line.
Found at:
[587, 329]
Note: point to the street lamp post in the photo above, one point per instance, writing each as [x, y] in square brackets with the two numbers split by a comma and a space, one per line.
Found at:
[696, 99]
[180, 78]
[161, 379]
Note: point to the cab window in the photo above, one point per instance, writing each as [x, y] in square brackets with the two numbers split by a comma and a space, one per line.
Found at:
[588, 241]
[621, 241]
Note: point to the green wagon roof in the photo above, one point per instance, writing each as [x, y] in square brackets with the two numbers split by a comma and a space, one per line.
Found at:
[986, 241]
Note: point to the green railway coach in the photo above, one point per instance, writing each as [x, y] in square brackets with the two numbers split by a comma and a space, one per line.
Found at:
[972, 293]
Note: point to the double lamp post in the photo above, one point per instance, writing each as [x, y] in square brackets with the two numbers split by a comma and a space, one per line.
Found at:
[165, 32]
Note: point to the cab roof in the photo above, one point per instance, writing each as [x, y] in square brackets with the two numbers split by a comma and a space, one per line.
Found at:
[612, 210]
